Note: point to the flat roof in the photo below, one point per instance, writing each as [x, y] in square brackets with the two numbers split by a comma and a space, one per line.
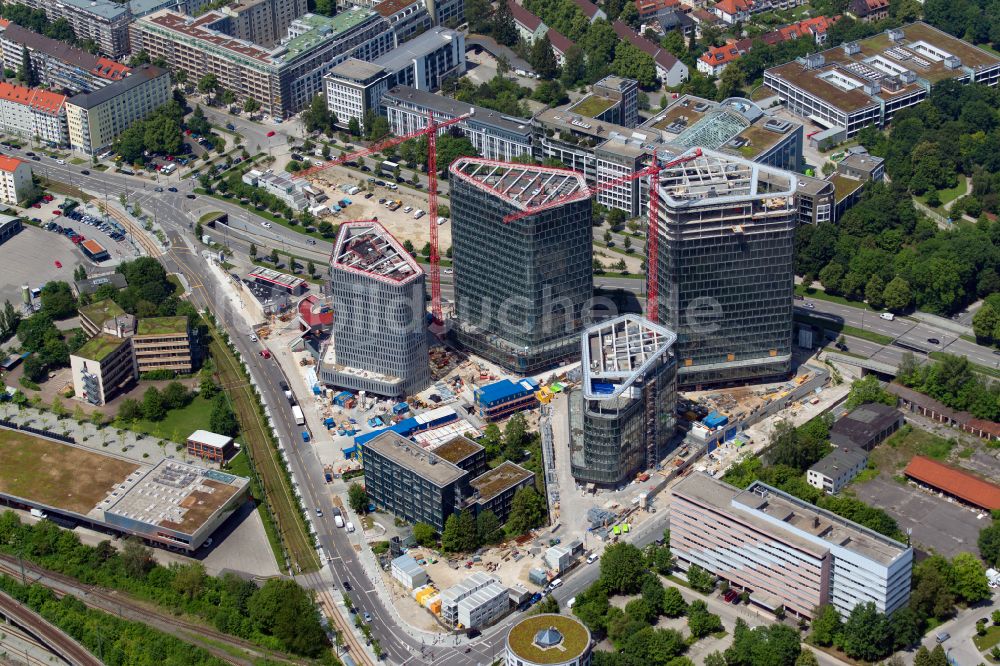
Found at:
[446, 108]
[864, 421]
[276, 277]
[161, 325]
[681, 114]
[504, 476]
[523, 186]
[356, 70]
[48, 473]
[101, 311]
[93, 246]
[90, 285]
[573, 634]
[176, 496]
[139, 76]
[99, 347]
[410, 455]
[592, 105]
[844, 186]
[210, 438]
[458, 449]
[618, 352]
[566, 119]
[103, 8]
[427, 42]
[957, 482]
[366, 248]
[320, 29]
[838, 460]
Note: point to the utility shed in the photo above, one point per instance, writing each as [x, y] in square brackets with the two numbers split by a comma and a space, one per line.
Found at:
[409, 574]
[558, 558]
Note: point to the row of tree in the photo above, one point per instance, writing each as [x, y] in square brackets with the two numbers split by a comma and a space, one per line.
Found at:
[159, 132]
[952, 381]
[280, 615]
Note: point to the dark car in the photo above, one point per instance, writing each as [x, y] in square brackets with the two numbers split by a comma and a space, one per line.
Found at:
[347, 585]
[191, 196]
[933, 341]
[85, 172]
[171, 189]
[30, 154]
[36, 158]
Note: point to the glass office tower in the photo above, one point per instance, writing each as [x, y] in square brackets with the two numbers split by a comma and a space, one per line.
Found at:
[726, 268]
[522, 286]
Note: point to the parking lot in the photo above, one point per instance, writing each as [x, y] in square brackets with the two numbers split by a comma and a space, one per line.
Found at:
[936, 523]
[30, 258]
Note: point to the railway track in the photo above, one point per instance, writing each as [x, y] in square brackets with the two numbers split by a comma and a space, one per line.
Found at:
[115, 603]
[51, 636]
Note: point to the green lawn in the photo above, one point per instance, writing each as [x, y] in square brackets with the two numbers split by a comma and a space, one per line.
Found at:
[77, 160]
[991, 638]
[947, 195]
[820, 295]
[179, 423]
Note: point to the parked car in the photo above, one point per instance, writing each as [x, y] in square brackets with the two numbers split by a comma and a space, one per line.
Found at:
[85, 172]
[270, 134]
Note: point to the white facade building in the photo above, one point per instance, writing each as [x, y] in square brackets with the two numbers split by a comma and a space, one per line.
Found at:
[484, 606]
[15, 180]
[837, 469]
[31, 113]
[354, 88]
[409, 574]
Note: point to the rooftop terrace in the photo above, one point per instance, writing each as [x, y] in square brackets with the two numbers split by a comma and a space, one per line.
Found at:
[592, 106]
[574, 639]
[101, 311]
[457, 449]
[367, 248]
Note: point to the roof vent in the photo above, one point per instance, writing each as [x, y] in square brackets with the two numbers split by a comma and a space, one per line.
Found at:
[895, 35]
[872, 88]
[852, 48]
[952, 62]
[907, 76]
[814, 60]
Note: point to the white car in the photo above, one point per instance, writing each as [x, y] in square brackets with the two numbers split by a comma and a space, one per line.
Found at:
[60, 161]
[448, 271]
[266, 225]
[253, 338]
[407, 209]
[593, 558]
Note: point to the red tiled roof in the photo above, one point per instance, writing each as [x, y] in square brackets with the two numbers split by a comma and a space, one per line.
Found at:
[9, 164]
[40, 100]
[733, 7]
[109, 69]
[389, 7]
[523, 16]
[984, 425]
[958, 483]
[723, 55]
[560, 42]
[661, 56]
[813, 26]
[875, 5]
[4, 23]
[313, 313]
[647, 7]
[587, 7]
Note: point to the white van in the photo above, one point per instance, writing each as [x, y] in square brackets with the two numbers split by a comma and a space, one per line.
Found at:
[338, 521]
[38, 513]
[888, 316]
[350, 526]
[571, 603]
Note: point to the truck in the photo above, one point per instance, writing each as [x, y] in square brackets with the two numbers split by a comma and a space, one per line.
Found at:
[300, 418]
[338, 521]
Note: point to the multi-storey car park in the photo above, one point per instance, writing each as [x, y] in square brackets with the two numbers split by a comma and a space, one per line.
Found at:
[283, 79]
[626, 402]
[521, 288]
[864, 83]
[726, 261]
[168, 503]
[784, 551]
[379, 341]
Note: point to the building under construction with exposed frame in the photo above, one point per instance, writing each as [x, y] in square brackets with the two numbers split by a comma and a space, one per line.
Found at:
[625, 408]
[726, 268]
[521, 288]
[379, 341]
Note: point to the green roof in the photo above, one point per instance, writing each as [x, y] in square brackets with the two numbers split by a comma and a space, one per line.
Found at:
[575, 639]
[592, 106]
[99, 347]
[161, 325]
[322, 28]
[101, 311]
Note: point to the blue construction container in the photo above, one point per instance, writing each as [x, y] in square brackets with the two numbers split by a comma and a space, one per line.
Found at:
[317, 390]
[328, 422]
[400, 408]
[342, 398]
[504, 391]
[714, 420]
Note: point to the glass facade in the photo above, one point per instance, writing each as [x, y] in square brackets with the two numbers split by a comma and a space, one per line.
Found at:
[520, 288]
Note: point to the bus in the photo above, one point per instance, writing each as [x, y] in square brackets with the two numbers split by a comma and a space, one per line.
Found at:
[388, 167]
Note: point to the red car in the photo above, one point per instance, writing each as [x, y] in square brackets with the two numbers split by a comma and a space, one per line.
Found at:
[57, 212]
[187, 132]
[265, 353]
[270, 134]
[58, 264]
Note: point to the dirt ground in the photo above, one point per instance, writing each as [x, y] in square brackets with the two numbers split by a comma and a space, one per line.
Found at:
[509, 572]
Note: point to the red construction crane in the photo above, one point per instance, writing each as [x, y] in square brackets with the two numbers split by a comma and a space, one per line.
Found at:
[652, 231]
[432, 213]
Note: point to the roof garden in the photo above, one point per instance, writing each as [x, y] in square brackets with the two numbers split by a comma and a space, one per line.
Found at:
[575, 639]
[101, 311]
[843, 186]
[592, 106]
[99, 347]
[322, 28]
[499, 479]
[458, 449]
[162, 325]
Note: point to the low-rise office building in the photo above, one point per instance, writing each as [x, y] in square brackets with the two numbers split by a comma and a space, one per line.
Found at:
[92, 284]
[494, 490]
[548, 639]
[785, 552]
[102, 368]
[15, 180]
[865, 83]
[97, 118]
[281, 185]
[354, 89]
[33, 112]
[210, 446]
[424, 61]
[103, 21]
[866, 426]
[94, 316]
[613, 100]
[495, 135]
[409, 574]
[10, 226]
[277, 281]
[836, 469]
[163, 343]
[58, 65]
[408, 18]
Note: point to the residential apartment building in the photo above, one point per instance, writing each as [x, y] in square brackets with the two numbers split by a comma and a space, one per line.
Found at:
[33, 112]
[408, 18]
[727, 227]
[868, 11]
[96, 119]
[263, 22]
[495, 136]
[283, 79]
[379, 341]
[623, 416]
[354, 89]
[15, 180]
[529, 27]
[560, 45]
[784, 551]
[446, 13]
[836, 469]
[715, 60]
[864, 83]
[163, 343]
[524, 306]
[424, 61]
[103, 367]
[281, 185]
[103, 21]
[59, 66]
[671, 71]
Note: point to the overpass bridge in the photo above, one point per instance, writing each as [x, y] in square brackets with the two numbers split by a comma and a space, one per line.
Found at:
[46, 633]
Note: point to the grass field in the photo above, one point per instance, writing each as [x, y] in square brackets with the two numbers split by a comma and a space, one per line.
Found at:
[179, 423]
[947, 195]
[277, 488]
[895, 453]
[991, 638]
[820, 295]
[57, 475]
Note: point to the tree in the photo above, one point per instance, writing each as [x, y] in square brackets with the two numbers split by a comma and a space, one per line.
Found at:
[547, 605]
[653, 593]
[622, 567]
[543, 59]
[700, 621]
[970, 578]
[189, 579]
[513, 437]
[502, 27]
[989, 544]
[208, 84]
[673, 603]
[732, 80]
[826, 626]
[175, 395]
[253, 251]
[424, 534]
[774, 645]
[488, 528]
[806, 658]
[632, 63]
[274, 256]
[528, 511]
[479, 14]
[700, 579]
[27, 72]
[641, 610]
[153, 408]
[137, 560]
[357, 498]
[831, 276]
[251, 105]
[467, 537]
[925, 657]
[58, 300]
[630, 15]
[874, 291]
[451, 541]
[867, 634]
[222, 420]
[654, 647]
[492, 440]
[986, 323]
[129, 410]
[869, 390]
[574, 66]
[353, 126]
